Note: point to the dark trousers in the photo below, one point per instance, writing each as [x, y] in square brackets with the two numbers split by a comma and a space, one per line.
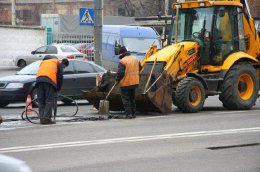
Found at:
[45, 93]
[128, 99]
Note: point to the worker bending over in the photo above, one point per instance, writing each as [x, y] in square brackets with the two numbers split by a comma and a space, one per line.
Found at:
[48, 82]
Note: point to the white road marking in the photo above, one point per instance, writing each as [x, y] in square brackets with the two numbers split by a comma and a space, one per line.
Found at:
[127, 139]
[204, 112]
[154, 117]
[3, 129]
[235, 112]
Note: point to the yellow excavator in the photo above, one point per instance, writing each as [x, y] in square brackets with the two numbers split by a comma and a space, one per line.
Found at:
[213, 49]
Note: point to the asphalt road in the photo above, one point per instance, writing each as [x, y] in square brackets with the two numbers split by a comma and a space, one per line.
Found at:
[214, 140]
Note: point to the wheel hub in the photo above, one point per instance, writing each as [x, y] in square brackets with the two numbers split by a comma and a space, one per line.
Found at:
[242, 86]
[193, 96]
[245, 86]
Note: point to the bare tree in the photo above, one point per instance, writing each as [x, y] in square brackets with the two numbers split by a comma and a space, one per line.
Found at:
[143, 7]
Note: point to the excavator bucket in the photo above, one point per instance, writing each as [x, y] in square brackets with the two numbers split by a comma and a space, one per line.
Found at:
[151, 97]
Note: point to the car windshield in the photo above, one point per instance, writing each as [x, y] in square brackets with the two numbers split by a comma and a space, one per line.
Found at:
[140, 45]
[68, 49]
[31, 69]
[191, 23]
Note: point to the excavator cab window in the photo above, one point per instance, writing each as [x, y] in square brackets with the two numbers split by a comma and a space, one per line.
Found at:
[241, 30]
[223, 42]
[218, 30]
[194, 24]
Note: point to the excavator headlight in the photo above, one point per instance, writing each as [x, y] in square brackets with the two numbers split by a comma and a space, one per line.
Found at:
[178, 6]
[202, 4]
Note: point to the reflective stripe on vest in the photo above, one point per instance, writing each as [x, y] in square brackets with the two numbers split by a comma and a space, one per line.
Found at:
[131, 76]
[49, 68]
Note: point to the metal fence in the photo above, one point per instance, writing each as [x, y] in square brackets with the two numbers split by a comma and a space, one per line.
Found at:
[83, 42]
[69, 38]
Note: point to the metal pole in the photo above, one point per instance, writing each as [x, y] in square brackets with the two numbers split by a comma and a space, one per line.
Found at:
[177, 23]
[150, 75]
[98, 22]
[166, 9]
[13, 13]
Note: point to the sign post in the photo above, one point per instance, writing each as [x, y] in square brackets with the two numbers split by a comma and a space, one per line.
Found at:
[98, 6]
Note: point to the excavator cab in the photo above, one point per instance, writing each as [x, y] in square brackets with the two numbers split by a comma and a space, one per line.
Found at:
[218, 30]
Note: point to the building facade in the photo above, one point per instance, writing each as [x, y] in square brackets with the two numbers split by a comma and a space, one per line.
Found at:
[28, 12]
[254, 6]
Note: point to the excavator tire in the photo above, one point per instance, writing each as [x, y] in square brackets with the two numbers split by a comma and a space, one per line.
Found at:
[174, 101]
[240, 88]
[190, 95]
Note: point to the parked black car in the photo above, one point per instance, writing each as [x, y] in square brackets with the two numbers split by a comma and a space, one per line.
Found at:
[79, 75]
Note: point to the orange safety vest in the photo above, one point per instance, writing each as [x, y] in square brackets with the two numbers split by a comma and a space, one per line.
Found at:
[131, 76]
[49, 68]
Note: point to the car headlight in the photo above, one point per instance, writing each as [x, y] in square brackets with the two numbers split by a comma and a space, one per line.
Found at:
[15, 85]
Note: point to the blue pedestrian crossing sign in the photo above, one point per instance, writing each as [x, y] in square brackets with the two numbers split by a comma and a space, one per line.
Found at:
[86, 16]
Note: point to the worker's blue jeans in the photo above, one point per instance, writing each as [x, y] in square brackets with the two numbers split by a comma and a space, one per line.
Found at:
[45, 93]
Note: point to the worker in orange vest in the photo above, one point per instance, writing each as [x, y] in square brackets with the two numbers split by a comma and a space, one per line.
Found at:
[128, 80]
[49, 82]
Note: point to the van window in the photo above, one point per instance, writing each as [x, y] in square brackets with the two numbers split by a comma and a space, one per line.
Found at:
[140, 45]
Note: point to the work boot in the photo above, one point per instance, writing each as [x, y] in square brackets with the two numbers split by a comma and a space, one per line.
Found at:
[128, 117]
[47, 121]
[43, 121]
[51, 122]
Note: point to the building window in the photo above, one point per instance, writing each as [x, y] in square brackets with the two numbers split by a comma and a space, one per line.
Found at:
[121, 12]
[27, 14]
[24, 15]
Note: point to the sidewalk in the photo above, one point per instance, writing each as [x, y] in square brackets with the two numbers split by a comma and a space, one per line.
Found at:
[8, 67]
[7, 64]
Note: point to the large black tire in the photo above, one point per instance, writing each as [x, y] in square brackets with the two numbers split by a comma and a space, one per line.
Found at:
[174, 101]
[190, 95]
[240, 87]
[3, 104]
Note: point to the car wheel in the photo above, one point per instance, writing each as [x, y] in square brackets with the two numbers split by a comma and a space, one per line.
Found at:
[3, 104]
[21, 63]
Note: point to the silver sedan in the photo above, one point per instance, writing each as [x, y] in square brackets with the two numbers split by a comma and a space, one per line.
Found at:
[59, 50]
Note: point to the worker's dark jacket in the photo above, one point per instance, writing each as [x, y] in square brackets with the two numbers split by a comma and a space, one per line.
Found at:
[47, 79]
[128, 73]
